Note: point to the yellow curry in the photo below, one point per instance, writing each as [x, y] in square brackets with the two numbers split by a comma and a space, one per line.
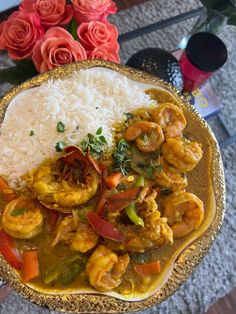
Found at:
[102, 218]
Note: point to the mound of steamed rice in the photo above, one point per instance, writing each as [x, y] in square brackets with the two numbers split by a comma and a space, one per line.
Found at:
[89, 99]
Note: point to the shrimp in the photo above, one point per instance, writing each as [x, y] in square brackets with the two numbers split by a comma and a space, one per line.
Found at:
[44, 186]
[84, 239]
[184, 212]
[182, 153]
[157, 229]
[80, 236]
[171, 118]
[169, 177]
[105, 268]
[22, 218]
[155, 232]
[148, 136]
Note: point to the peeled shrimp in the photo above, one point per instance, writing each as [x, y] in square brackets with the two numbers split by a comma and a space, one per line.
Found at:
[84, 239]
[171, 118]
[184, 212]
[47, 189]
[105, 268]
[155, 232]
[22, 218]
[80, 236]
[148, 136]
[182, 153]
[169, 177]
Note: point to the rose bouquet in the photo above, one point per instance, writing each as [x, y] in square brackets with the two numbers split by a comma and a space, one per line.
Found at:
[44, 34]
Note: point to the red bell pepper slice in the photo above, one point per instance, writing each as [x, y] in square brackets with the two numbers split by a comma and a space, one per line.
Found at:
[9, 251]
[113, 180]
[148, 269]
[30, 268]
[122, 200]
[101, 204]
[104, 228]
[53, 216]
[93, 163]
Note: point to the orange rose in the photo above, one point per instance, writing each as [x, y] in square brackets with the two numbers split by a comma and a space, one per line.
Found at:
[57, 48]
[51, 12]
[105, 52]
[19, 33]
[93, 10]
[97, 33]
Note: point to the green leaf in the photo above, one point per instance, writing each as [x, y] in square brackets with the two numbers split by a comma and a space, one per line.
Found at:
[232, 21]
[60, 127]
[226, 8]
[73, 28]
[211, 4]
[99, 131]
[18, 211]
[95, 143]
[233, 2]
[23, 70]
[102, 139]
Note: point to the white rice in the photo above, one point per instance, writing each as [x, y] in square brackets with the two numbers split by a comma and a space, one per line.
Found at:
[89, 99]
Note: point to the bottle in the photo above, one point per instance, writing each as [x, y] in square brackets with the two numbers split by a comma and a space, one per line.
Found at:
[204, 54]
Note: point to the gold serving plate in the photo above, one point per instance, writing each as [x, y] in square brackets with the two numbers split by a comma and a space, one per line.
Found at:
[206, 180]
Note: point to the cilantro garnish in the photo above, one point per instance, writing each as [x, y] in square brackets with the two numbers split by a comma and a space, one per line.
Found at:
[60, 146]
[60, 127]
[95, 143]
[121, 157]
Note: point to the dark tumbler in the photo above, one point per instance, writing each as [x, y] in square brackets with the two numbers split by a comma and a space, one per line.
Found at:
[204, 54]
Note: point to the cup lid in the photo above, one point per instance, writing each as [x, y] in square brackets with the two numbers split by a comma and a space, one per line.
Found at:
[206, 51]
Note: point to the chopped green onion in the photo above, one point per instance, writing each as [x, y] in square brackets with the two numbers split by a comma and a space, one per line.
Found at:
[60, 127]
[70, 274]
[60, 269]
[31, 133]
[18, 211]
[140, 182]
[131, 213]
[60, 146]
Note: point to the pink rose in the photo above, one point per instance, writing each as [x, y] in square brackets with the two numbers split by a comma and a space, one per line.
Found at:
[19, 33]
[57, 48]
[105, 52]
[97, 33]
[88, 10]
[51, 12]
